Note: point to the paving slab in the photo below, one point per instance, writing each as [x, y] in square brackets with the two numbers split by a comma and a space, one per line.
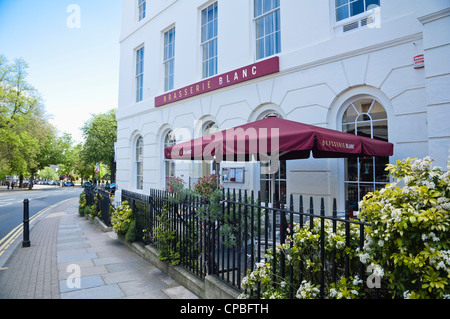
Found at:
[103, 292]
[70, 258]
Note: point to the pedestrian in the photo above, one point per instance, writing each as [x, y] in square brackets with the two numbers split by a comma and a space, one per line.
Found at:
[7, 184]
[12, 185]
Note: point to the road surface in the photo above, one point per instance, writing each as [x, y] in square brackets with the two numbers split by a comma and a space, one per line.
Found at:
[11, 208]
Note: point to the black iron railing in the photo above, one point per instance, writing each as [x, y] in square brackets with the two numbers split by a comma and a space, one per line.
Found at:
[101, 199]
[229, 237]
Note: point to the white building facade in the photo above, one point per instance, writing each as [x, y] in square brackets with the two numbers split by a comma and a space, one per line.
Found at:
[379, 68]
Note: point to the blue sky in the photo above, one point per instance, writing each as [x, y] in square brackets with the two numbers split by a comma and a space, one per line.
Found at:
[76, 70]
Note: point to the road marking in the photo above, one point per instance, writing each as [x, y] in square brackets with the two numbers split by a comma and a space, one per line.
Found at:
[6, 201]
[6, 241]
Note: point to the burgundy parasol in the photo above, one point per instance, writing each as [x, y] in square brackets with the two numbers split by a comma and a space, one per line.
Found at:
[282, 138]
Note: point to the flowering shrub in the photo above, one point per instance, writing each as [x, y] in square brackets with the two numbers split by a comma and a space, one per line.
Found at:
[206, 185]
[82, 202]
[121, 218]
[409, 237]
[175, 184]
[302, 252]
[406, 244]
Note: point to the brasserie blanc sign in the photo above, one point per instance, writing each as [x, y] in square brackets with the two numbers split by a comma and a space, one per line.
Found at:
[243, 74]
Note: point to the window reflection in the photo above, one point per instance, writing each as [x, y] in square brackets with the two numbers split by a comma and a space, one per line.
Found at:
[364, 117]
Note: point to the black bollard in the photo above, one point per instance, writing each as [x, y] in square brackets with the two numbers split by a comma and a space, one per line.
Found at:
[26, 224]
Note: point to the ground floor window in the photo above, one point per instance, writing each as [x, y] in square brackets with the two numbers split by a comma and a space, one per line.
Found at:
[169, 165]
[205, 167]
[365, 117]
[273, 186]
[139, 163]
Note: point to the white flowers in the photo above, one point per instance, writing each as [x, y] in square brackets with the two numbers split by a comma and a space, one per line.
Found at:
[333, 293]
[443, 203]
[431, 236]
[357, 281]
[363, 257]
[421, 164]
[307, 291]
[406, 294]
[396, 214]
[430, 185]
[405, 230]
[377, 270]
[441, 260]
[260, 265]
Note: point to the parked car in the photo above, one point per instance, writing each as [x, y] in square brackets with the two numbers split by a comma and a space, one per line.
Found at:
[87, 184]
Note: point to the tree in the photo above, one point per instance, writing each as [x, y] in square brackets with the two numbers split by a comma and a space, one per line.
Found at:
[28, 142]
[48, 173]
[20, 103]
[80, 166]
[100, 133]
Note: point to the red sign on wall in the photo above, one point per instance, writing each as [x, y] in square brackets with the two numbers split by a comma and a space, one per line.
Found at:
[419, 61]
[246, 73]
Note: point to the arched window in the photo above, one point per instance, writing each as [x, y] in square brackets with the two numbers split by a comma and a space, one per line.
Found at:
[273, 185]
[139, 163]
[169, 165]
[205, 167]
[365, 117]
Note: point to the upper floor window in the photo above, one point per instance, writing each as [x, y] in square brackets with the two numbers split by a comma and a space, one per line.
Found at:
[209, 40]
[267, 26]
[139, 74]
[142, 5]
[169, 59]
[349, 8]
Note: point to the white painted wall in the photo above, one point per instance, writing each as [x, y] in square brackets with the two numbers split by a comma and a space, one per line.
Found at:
[320, 69]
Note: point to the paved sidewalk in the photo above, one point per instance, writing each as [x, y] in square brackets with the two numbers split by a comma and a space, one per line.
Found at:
[64, 245]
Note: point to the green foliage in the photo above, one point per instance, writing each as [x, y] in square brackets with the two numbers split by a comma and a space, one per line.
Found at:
[130, 235]
[406, 244]
[100, 133]
[174, 184]
[302, 252]
[48, 173]
[409, 237]
[82, 202]
[166, 239]
[28, 142]
[205, 185]
[94, 208]
[121, 218]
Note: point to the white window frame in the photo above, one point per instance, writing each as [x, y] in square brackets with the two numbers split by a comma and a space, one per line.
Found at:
[169, 60]
[139, 162]
[358, 181]
[169, 164]
[271, 14]
[336, 7]
[205, 44]
[139, 73]
[142, 8]
[367, 19]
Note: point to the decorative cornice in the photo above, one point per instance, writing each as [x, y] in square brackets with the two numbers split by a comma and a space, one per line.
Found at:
[434, 16]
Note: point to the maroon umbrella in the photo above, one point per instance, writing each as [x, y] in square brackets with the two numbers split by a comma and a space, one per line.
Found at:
[277, 137]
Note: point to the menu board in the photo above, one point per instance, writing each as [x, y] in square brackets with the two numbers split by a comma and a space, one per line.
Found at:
[233, 175]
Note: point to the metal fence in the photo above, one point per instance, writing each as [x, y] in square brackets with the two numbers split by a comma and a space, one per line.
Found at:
[229, 238]
[101, 199]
